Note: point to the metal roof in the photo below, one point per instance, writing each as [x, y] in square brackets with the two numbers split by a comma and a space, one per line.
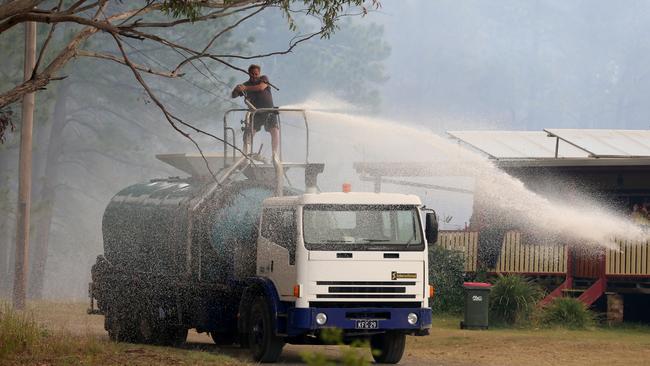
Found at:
[606, 143]
[517, 144]
[558, 143]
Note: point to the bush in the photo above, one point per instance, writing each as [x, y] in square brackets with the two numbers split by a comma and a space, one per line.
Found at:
[513, 299]
[18, 331]
[446, 274]
[352, 356]
[567, 312]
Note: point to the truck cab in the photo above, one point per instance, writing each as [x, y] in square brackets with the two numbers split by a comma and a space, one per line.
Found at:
[352, 261]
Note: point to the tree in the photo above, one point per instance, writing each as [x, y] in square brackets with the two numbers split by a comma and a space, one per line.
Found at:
[106, 31]
[350, 67]
[145, 22]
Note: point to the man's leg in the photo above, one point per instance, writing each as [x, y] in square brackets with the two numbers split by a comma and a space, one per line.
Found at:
[275, 141]
[248, 140]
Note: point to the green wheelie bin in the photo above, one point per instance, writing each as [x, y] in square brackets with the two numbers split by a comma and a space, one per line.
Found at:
[477, 305]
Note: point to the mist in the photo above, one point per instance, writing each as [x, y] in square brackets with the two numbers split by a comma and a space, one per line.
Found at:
[429, 66]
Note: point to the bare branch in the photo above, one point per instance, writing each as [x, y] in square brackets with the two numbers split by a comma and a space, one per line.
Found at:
[16, 7]
[170, 118]
[44, 47]
[213, 15]
[80, 9]
[292, 45]
[72, 8]
[106, 56]
[39, 81]
[231, 27]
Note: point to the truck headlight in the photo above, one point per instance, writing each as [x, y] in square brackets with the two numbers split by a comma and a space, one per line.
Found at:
[321, 318]
[412, 318]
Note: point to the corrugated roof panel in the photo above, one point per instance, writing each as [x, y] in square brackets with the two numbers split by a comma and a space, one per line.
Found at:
[517, 144]
[607, 143]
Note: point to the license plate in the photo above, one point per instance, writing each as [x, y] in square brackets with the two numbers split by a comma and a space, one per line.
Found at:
[366, 324]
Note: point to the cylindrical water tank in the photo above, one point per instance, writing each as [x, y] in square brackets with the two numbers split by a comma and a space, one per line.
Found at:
[154, 228]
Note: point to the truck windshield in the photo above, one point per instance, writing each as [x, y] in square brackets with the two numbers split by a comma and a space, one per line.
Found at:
[362, 227]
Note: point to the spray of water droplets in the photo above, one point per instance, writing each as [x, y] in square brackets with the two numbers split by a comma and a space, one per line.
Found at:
[588, 223]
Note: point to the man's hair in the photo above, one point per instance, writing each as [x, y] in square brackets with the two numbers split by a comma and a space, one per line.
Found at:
[253, 67]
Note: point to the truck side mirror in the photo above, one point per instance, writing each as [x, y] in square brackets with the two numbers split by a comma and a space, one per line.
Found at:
[431, 227]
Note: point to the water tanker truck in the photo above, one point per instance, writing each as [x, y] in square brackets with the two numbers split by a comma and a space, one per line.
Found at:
[250, 262]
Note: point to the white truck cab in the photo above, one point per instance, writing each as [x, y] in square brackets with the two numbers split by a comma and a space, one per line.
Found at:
[354, 261]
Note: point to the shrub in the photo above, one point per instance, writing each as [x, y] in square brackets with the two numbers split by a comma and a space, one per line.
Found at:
[446, 274]
[567, 312]
[352, 356]
[18, 331]
[513, 299]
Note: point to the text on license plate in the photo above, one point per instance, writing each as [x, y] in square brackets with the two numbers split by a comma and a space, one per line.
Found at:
[366, 324]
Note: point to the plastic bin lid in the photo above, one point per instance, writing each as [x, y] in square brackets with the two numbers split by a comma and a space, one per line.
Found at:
[477, 284]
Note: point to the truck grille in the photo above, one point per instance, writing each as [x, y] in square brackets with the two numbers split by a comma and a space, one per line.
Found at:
[364, 296]
[360, 304]
[366, 289]
[397, 290]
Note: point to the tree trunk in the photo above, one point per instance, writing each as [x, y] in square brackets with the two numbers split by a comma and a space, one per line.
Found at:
[8, 194]
[42, 225]
[7, 240]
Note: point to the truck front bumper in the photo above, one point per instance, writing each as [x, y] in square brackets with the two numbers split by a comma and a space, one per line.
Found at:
[304, 319]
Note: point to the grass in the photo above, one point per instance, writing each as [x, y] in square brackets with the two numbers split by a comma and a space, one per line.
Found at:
[26, 341]
[18, 332]
[67, 336]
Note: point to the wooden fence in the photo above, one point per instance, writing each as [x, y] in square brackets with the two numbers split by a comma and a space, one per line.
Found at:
[628, 259]
[515, 257]
[465, 242]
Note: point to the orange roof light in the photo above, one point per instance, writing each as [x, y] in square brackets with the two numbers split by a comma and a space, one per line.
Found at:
[347, 187]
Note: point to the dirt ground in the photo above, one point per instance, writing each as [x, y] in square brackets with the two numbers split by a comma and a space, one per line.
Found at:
[447, 344]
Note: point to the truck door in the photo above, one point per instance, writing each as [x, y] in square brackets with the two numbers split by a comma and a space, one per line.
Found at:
[276, 249]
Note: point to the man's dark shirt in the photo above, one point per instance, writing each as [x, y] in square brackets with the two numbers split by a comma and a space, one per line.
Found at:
[260, 99]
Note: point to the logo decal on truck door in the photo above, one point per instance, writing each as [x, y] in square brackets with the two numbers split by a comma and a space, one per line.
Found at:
[396, 275]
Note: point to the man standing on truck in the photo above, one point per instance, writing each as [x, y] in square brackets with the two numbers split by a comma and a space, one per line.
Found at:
[258, 91]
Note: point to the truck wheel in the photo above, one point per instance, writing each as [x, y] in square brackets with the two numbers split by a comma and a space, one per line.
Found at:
[121, 330]
[173, 335]
[388, 347]
[148, 329]
[265, 345]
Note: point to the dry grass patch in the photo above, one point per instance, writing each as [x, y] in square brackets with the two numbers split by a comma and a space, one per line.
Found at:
[68, 340]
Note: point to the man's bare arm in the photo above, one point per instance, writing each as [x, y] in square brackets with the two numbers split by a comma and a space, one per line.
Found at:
[236, 92]
[259, 87]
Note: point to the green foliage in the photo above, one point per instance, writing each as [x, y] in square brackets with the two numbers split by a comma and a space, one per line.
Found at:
[446, 274]
[18, 331]
[481, 274]
[567, 312]
[349, 357]
[190, 9]
[513, 299]
[328, 10]
[6, 123]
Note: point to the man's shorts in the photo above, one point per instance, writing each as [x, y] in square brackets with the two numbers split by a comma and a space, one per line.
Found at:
[268, 119]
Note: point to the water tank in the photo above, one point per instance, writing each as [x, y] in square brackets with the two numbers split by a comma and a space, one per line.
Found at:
[158, 228]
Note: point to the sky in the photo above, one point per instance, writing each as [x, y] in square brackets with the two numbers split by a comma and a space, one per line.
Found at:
[522, 65]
